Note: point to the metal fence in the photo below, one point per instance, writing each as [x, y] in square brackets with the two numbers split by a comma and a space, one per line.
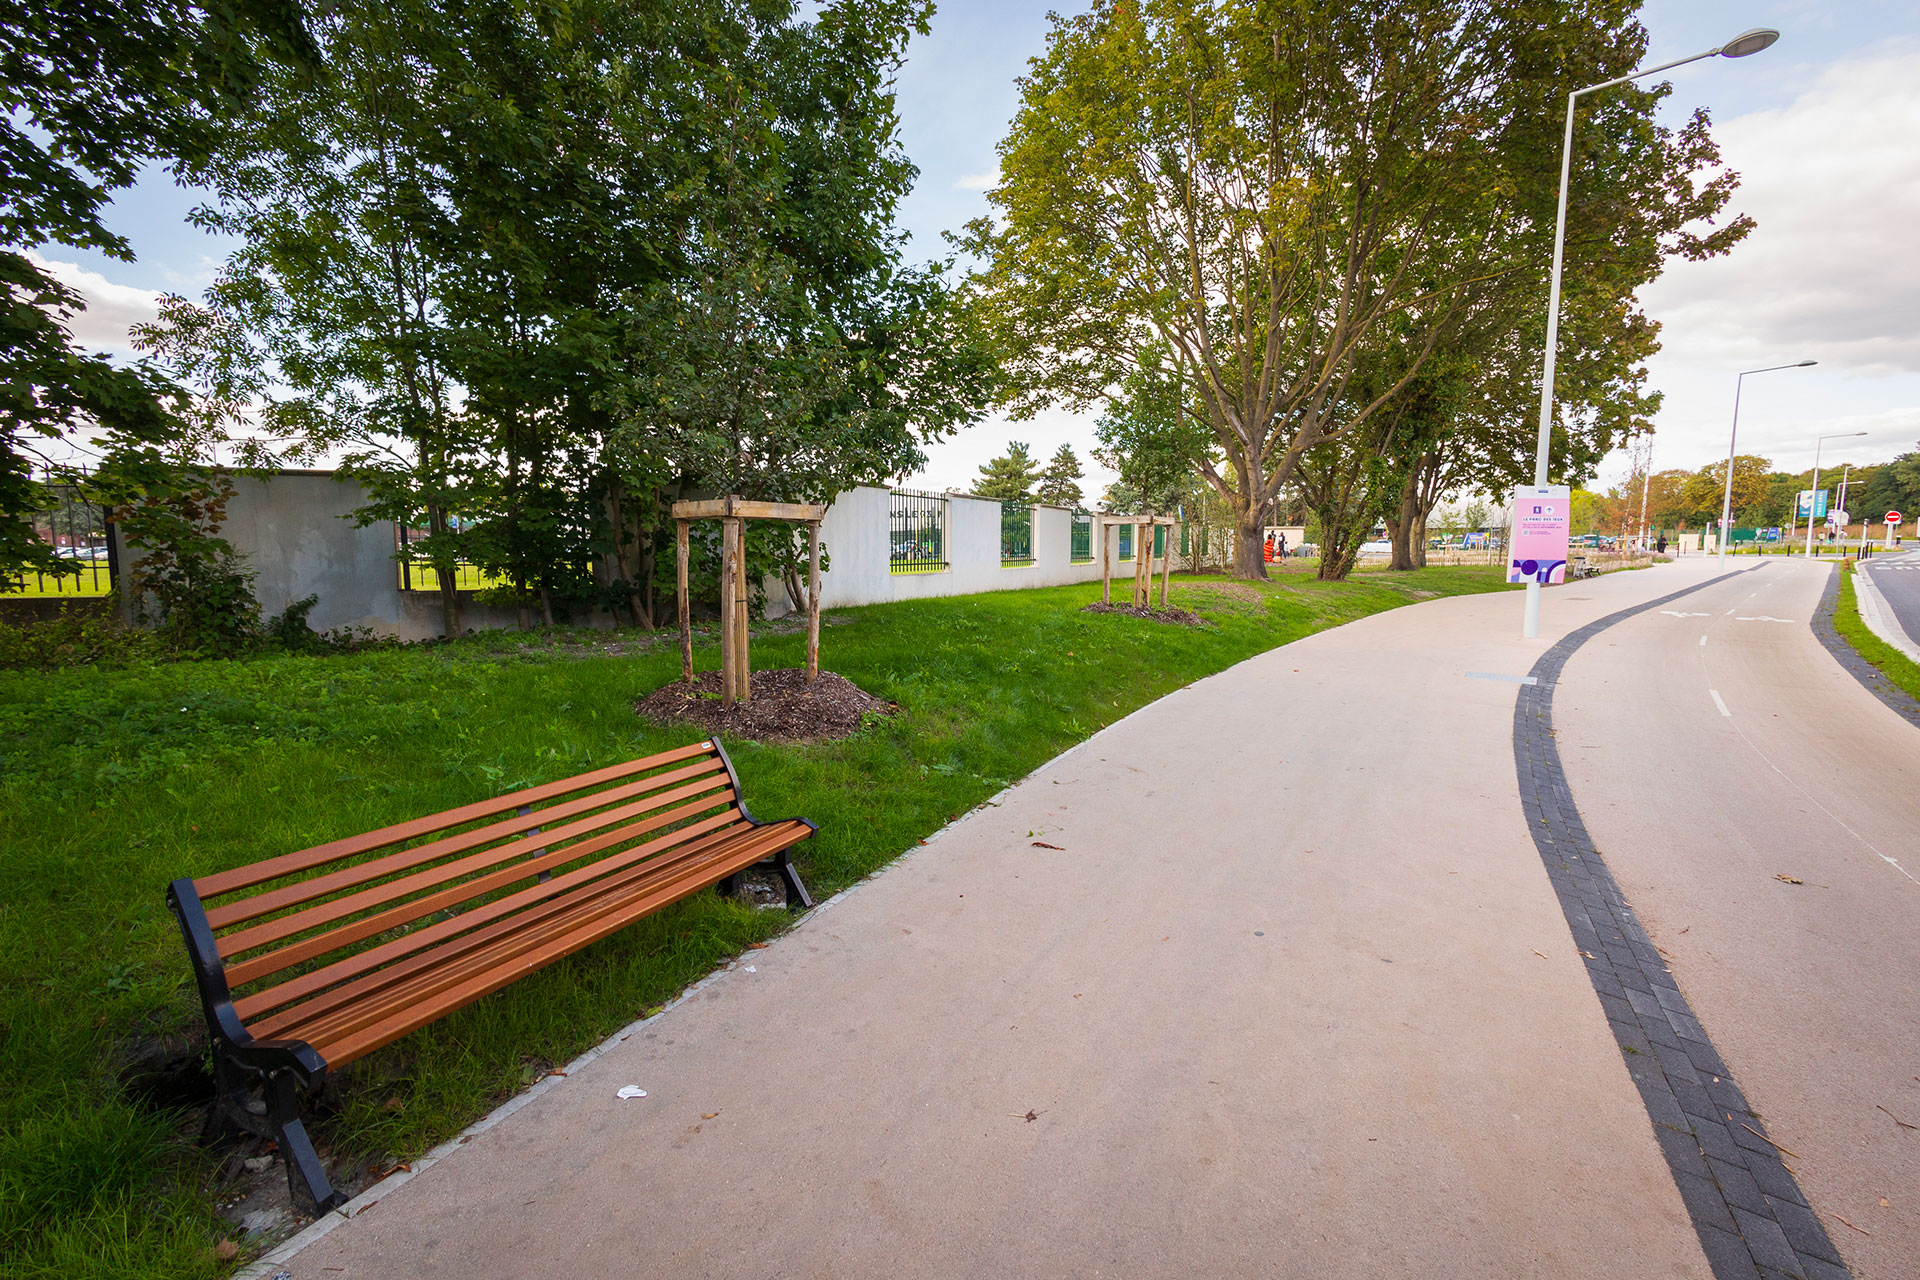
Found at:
[1126, 542]
[916, 532]
[1080, 542]
[416, 574]
[1159, 542]
[1016, 535]
[79, 533]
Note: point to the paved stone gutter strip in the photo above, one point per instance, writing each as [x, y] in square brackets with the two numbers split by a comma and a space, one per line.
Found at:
[1847, 656]
[1752, 1219]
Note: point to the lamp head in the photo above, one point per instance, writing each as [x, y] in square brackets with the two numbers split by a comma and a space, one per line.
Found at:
[1749, 42]
[1804, 363]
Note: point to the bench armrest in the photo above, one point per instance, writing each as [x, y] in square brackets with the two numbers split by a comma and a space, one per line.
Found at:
[740, 799]
[216, 999]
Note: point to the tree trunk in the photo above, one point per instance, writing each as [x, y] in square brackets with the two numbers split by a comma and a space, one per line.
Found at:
[447, 570]
[1401, 522]
[1420, 515]
[1249, 558]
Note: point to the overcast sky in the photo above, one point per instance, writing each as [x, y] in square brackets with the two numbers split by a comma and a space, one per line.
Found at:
[1822, 129]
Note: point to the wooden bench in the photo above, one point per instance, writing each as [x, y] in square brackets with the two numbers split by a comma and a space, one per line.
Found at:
[308, 961]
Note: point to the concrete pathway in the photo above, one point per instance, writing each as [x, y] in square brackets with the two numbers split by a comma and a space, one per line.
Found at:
[1293, 998]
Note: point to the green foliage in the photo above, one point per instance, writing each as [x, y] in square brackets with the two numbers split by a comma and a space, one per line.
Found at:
[90, 94]
[1149, 440]
[117, 781]
[1060, 480]
[1009, 477]
[76, 637]
[1897, 666]
[198, 589]
[1297, 207]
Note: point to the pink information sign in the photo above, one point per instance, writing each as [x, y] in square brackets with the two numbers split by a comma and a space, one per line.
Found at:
[1538, 552]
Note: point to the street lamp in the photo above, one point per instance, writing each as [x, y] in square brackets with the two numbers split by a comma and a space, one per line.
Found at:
[1726, 507]
[1747, 42]
[1813, 494]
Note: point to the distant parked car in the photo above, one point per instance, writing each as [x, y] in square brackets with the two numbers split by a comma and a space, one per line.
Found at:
[81, 553]
[1378, 547]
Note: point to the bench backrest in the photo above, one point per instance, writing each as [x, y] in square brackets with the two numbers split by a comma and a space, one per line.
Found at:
[354, 905]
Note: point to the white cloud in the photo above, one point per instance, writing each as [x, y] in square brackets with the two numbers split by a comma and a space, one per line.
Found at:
[1830, 273]
[112, 309]
[978, 181]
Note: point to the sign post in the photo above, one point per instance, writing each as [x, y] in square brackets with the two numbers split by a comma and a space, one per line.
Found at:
[1537, 555]
[1893, 519]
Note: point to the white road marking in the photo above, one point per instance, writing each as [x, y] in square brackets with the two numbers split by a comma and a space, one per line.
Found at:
[1719, 702]
[1763, 618]
[1502, 678]
[1675, 613]
[1703, 642]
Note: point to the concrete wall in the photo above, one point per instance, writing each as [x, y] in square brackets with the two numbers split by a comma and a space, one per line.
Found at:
[296, 533]
[855, 534]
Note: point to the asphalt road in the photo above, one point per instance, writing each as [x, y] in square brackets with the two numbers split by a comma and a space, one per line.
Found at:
[1715, 747]
[1897, 575]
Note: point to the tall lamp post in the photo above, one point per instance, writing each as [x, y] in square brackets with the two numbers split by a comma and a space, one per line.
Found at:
[1747, 42]
[1813, 494]
[1726, 506]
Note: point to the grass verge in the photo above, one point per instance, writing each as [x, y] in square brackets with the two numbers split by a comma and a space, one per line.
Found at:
[1895, 665]
[114, 781]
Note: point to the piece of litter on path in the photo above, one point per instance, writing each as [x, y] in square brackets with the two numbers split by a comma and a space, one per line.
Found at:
[751, 969]
[708, 1115]
[1030, 1116]
[1897, 1120]
[1862, 1230]
[1787, 879]
[1042, 844]
[1541, 954]
[756, 946]
[630, 1091]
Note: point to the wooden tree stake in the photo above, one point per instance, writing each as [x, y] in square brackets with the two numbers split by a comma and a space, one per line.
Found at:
[742, 667]
[813, 601]
[1166, 568]
[729, 556]
[686, 612]
[1106, 567]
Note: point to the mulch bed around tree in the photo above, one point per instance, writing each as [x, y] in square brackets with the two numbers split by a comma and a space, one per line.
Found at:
[784, 707]
[1178, 617]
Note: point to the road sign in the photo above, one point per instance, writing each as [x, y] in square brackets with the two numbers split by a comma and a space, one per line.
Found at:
[1893, 517]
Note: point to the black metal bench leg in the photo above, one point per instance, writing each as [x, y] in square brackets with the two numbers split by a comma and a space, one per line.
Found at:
[728, 887]
[797, 896]
[303, 1163]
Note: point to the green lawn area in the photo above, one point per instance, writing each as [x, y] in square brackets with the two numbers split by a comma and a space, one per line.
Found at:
[116, 780]
[1898, 667]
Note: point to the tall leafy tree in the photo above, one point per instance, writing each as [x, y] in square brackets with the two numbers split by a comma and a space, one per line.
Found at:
[1009, 477]
[88, 95]
[1060, 479]
[1277, 194]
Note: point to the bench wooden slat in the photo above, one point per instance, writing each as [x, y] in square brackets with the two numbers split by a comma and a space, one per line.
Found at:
[312, 960]
[414, 984]
[225, 882]
[372, 958]
[303, 891]
[364, 1041]
[689, 801]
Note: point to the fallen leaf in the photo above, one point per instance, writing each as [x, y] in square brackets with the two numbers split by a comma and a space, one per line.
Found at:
[1042, 844]
[1884, 1204]
[395, 1104]
[708, 1115]
[402, 1167]
[756, 946]
[226, 1251]
[1787, 879]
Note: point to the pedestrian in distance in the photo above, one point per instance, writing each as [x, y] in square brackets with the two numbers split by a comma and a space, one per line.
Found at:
[1280, 547]
[1661, 545]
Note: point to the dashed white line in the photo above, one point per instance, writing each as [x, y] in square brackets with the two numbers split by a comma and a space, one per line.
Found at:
[1703, 642]
[1720, 702]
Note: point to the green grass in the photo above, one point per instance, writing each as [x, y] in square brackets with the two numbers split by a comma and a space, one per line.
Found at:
[1897, 666]
[116, 780]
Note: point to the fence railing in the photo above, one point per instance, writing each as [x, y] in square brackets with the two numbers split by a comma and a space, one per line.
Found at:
[414, 573]
[916, 532]
[1016, 535]
[1080, 538]
[1126, 542]
[80, 534]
